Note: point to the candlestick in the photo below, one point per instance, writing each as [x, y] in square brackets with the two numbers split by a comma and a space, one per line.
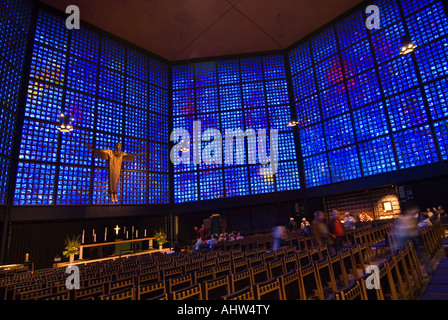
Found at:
[136, 233]
[105, 234]
[82, 240]
[145, 233]
[127, 235]
[94, 237]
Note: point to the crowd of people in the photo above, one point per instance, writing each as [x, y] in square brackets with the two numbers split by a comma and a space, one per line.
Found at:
[208, 242]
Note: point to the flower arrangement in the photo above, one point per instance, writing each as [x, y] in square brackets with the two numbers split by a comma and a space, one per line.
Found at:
[72, 246]
[160, 237]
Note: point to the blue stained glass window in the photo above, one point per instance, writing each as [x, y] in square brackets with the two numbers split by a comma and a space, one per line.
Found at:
[85, 44]
[317, 170]
[351, 29]
[136, 93]
[100, 193]
[73, 186]
[344, 164]
[112, 54]
[274, 67]
[159, 157]
[7, 128]
[211, 184]
[339, 132]
[43, 102]
[73, 150]
[304, 84]
[308, 111]
[287, 176]
[158, 188]
[356, 59]
[82, 75]
[256, 119]
[80, 108]
[251, 69]
[109, 117]
[260, 183]
[386, 42]
[377, 156]
[137, 65]
[441, 132]
[324, 44]
[107, 142]
[415, 147]
[134, 187]
[329, 72]
[158, 73]
[185, 187]
[230, 97]
[363, 89]
[427, 25]
[286, 146]
[236, 182]
[183, 102]
[232, 120]
[136, 146]
[111, 85]
[209, 121]
[433, 60]
[185, 122]
[4, 177]
[406, 110]
[10, 89]
[334, 101]
[312, 140]
[411, 6]
[370, 121]
[136, 123]
[183, 77]
[228, 72]
[206, 100]
[205, 74]
[47, 65]
[253, 95]
[158, 128]
[277, 92]
[21, 11]
[39, 141]
[398, 75]
[437, 97]
[13, 43]
[389, 13]
[279, 116]
[300, 58]
[34, 184]
[51, 31]
[158, 100]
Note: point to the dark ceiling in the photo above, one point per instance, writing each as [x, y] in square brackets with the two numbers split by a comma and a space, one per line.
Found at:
[188, 29]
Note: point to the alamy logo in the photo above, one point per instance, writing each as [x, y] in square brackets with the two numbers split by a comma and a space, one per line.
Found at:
[72, 281]
[212, 152]
[73, 20]
[373, 280]
[373, 20]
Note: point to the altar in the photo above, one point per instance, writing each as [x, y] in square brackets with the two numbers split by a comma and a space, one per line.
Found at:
[114, 248]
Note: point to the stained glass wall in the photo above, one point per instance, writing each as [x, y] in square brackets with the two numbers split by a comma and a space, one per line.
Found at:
[247, 93]
[364, 109]
[14, 28]
[111, 93]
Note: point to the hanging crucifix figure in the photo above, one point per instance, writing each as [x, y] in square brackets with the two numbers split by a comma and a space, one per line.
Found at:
[115, 158]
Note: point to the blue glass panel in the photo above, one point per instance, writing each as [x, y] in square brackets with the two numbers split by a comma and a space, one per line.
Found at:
[317, 170]
[253, 95]
[112, 54]
[80, 108]
[230, 97]
[205, 74]
[312, 140]
[228, 72]
[277, 92]
[39, 141]
[251, 69]
[10, 88]
[351, 29]
[286, 146]
[377, 156]
[158, 100]
[308, 111]
[73, 150]
[85, 44]
[398, 75]
[20, 10]
[136, 93]
[137, 65]
[82, 75]
[34, 184]
[110, 117]
[134, 187]
[47, 65]
[185, 187]
[370, 122]
[135, 146]
[406, 110]
[287, 177]
[100, 193]
[300, 58]
[183, 77]
[428, 25]
[12, 42]
[4, 177]
[111, 85]
[158, 188]
[411, 6]
[324, 44]
[51, 31]
[328, 72]
[437, 97]
[339, 132]
[159, 157]
[158, 73]
[211, 184]
[441, 132]
[43, 102]
[260, 183]
[344, 164]
[183, 102]
[389, 13]
[356, 59]
[415, 147]
[433, 60]
[73, 186]
[7, 128]
[334, 101]
[256, 119]
[363, 89]
[274, 67]
[279, 117]
[158, 128]
[236, 181]
[136, 123]
[206, 100]
[304, 84]
[232, 120]
[386, 42]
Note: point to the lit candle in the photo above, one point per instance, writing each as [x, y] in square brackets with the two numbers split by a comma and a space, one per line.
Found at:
[105, 234]
[126, 235]
[94, 237]
[145, 233]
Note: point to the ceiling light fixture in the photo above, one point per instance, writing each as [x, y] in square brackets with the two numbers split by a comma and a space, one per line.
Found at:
[407, 45]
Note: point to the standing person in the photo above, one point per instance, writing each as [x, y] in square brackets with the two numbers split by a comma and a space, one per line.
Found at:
[349, 222]
[279, 235]
[320, 230]
[337, 230]
[430, 214]
[440, 211]
[292, 225]
[305, 227]
[202, 232]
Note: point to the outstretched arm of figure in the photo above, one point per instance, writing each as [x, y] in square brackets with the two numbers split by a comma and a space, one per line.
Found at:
[130, 157]
[97, 153]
